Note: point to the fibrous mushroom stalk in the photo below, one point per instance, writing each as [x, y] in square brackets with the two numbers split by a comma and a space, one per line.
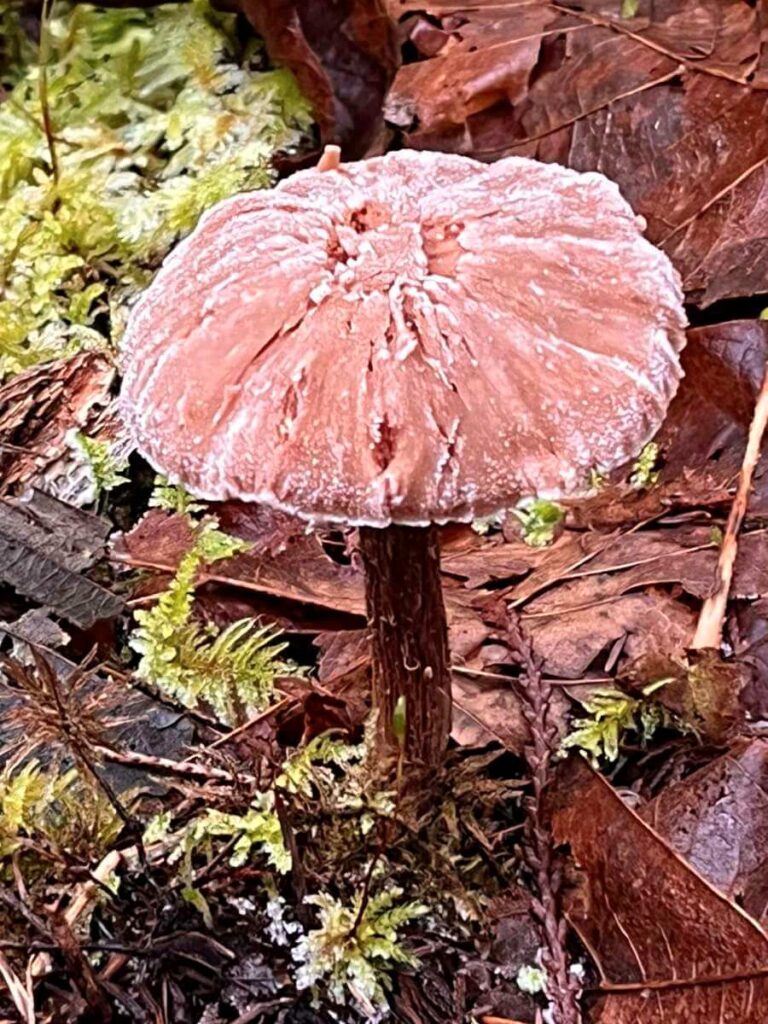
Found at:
[409, 635]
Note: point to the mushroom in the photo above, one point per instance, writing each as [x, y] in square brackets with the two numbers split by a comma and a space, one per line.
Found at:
[402, 342]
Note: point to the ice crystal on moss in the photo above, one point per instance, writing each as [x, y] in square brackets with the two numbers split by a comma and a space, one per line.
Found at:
[356, 946]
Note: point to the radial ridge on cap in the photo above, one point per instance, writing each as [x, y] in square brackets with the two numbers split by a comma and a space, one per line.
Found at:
[413, 338]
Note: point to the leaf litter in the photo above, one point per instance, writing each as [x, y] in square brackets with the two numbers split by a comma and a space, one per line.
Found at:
[669, 103]
[662, 850]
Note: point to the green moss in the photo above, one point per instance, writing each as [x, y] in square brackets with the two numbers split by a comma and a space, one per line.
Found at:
[613, 713]
[357, 946]
[155, 115]
[540, 520]
[644, 473]
[229, 671]
[56, 810]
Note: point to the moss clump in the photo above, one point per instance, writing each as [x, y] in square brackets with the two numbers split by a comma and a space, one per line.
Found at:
[112, 144]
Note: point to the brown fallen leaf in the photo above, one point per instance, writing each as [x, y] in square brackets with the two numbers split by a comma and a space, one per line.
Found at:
[295, 566]
[691, 159]
[45, 545]
[285, 562]
[684, 555]
[477, 48]
[342, 654]
[571, 550]
[478, 58]
[344, 56]
[488, 711]
[483, 560]
[669, 103]
[750, 632]
[693, 493]
[717, 818]
[721, 253]
[708, 421]
[668, 945]
[644, 623]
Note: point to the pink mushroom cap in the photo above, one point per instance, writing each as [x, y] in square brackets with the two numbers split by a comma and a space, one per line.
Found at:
[409, 339]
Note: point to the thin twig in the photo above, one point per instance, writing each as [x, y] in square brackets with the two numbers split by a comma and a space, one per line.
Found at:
[273, 709]
[89, 947]
[257, 1012]
[462, 670]
[709, 631]
[166, 766]
[19, 991]
[82, 898]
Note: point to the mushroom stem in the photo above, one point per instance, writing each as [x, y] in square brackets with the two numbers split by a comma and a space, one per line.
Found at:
[406, 615]
[330, 159]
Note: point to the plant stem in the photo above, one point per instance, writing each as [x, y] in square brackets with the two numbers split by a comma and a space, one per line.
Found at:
[44, 56]
[709, 631]
[535, 700]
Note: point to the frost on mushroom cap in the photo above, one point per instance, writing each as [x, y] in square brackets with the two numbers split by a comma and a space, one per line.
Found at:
[417, 337]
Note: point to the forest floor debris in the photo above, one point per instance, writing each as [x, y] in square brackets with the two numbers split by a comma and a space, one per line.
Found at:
[168, 855]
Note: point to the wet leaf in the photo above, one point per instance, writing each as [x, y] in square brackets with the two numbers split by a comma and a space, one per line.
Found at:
[751, 630]
[680, 949]
[707, 423]
[697, 173]
[45, 545]
[717, 818]
[669, 104]
[298, 569]
[570, 640]
[343, 55]
[488, 711]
